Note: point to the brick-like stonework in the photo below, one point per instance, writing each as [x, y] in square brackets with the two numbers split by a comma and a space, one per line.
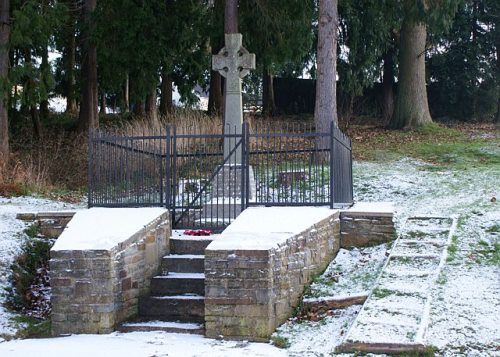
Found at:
[94, 290]
[366, 225]
[249, 292]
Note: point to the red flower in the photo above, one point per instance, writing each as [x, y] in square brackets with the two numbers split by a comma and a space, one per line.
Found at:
[198, 233]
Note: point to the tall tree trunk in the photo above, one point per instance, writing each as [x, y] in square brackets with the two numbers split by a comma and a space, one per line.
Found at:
[102, 109]
[388, 86]
[151, 107]
[231, 16]
[45, 69]
[412, 108]
[325, 109]
[268, 103]
[497, 74]
[126, 95]
[139, 108]
[4, 74]
[29, 98]
[88, 118]
[215, 98]
[69, 63]
[166, 104]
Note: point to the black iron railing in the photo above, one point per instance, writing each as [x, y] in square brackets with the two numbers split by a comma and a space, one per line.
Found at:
[190, 175]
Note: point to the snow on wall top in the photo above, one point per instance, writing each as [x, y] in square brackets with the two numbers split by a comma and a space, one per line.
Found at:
[380, 208]
[103, 228]
[264, 227]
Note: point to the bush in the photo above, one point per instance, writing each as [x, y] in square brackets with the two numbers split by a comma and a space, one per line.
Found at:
[30, 283]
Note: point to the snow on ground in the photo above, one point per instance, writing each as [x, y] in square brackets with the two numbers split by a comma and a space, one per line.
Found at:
[465, 313]
[11, 236]
[137, 344]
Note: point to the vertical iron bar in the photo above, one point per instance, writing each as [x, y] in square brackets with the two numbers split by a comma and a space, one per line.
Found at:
[168, 164]
[174, 172]
[332, 156]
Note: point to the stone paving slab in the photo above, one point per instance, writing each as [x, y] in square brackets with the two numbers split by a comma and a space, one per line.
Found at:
[395, 316]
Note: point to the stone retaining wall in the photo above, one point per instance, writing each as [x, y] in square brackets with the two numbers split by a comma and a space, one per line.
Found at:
[367, 224]
[249, 292]
[94, 290]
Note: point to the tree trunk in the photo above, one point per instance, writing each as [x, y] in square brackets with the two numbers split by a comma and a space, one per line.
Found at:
[231, 16]
[268, 103]
[388, 86]
[126, 96]
[166, 104]
[88, 118]
[69, 62]
[4, 74]
[412, 108]
[325, 109]
[29, 98]
[151, 107]
[215, 97]
[104, 103]
[497, 74]
[45, 69]
[139, 108]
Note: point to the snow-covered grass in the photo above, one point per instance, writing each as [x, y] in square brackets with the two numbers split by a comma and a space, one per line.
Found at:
[465, 310]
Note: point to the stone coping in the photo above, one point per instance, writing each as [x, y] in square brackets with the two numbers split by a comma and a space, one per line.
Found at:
[380, 209]
[263, 228]
[101, 228]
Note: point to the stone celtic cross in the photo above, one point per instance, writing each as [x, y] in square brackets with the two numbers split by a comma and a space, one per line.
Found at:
[233, 62]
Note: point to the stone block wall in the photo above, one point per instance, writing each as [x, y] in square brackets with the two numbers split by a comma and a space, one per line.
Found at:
[365, 225]
[249, 292]
[94, 290]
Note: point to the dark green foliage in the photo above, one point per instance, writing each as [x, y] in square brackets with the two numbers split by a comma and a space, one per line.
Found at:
[34, 256]
[462, 71]
[143, 36]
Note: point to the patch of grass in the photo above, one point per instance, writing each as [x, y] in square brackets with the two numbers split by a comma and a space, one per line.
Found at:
[441, 146]
[486, 252]
[279, 341]
[30, 327]
[452, 249]
[494, 228]
[382, 293]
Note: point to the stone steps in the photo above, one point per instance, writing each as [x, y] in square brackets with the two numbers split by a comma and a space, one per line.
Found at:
[176, 302]
[178, 283]
[186, 263]
[165, 326]
[395, 316]
[184, 308]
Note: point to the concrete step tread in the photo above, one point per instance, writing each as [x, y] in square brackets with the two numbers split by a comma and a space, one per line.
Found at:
[174, 275]
[179, 297]
[184, 256]
[165, 324]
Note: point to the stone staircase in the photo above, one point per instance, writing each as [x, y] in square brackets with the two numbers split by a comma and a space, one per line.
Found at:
[177, 299]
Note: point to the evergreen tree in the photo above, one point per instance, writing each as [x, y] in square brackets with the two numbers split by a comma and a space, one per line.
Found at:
[4, 80]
